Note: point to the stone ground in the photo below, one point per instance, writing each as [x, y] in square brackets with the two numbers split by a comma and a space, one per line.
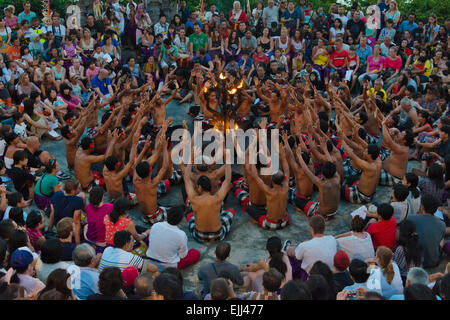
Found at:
[247, 240]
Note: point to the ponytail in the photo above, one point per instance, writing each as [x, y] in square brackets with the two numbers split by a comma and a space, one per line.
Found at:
[276, 261]
[389, 272]
[114, 216]
[384, 256]
[120, 208]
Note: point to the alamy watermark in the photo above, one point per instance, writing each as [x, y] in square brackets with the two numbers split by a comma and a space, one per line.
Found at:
[215, 149]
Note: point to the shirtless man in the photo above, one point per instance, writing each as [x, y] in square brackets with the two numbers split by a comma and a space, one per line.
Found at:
[394, 166]
[146, 187]
[209, 220]
[361, 189]
[276, 101]
[84, 159]
[208, 101]
[329, 190]
[71, 136]
[159, 106]
[276, 197]
[114, 172]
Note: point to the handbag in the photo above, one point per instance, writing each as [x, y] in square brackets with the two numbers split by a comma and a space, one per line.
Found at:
[141, 250]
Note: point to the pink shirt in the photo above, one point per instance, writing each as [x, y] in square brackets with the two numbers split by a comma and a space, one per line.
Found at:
[393, 64]
[375, 65]
[92, 73]
[95, 217]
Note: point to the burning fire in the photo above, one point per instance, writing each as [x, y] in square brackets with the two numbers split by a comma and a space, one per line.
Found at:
[240, 85]
[222, 76]
[232, 91]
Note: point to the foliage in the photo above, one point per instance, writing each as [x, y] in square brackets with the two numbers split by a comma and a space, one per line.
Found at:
[36, 6]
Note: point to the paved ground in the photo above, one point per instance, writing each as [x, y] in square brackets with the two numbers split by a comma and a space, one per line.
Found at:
[247, 240]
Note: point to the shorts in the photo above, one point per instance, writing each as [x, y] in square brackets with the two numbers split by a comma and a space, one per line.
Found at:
[386, 179]
[226, 217]
[158, 216]
[311, 208]
[348, 169]
[260, 214]
[353, 195]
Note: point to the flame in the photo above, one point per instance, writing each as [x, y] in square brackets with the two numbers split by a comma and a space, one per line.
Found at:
[232, 91]
[241, 84]
[205, 89]
[222, 76]
[236, 127]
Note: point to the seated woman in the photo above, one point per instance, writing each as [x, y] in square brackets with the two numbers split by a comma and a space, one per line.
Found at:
[23, 180]
[13, 144]
[118, 220]
[35, 123]
[47, 82]
[47, 184]
[45, 110]
[59, 72]
[357, 242]
[96, 210]
[56, 102]
[66, 94]
[25, 86]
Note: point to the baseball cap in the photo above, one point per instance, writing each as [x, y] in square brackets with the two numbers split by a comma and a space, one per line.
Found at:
[129, 275]
[21, 258]
[341, 260]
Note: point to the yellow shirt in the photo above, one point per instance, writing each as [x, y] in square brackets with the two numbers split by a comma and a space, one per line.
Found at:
[427, 68]
[321, 60]
[375, 93]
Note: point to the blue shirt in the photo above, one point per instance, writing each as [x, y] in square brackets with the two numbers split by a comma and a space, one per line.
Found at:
[363, 54]
[205, 61]
[190, 24]
[294, 15]
[101, 84]
[65, 206]
[248, 65]
[402, 297]
[383, 8]
[413, 83]
[406, 26]
[86, 283]
[28, 17]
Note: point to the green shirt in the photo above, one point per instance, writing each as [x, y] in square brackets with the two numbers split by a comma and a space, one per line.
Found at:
[46, 185]
[198, 41]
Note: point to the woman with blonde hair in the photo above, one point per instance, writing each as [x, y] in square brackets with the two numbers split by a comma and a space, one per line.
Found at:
[393, 13]
[385, 273]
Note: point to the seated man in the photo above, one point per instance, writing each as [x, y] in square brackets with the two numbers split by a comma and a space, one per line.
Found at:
[276, 216]
[208, 220]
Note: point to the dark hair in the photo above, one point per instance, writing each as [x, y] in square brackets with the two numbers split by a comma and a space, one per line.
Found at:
[430, 204]
[112, 162]
[52, 251]
[219, 289]
[120, 208]
[121, 238]
[444, 287]
[33, 219]
[143, 169]
[16, 214]
[295, 290]
[357, 224]
[409, 240]
[71, 185]
[413, 180]
[205, 183]
[57, 280]
[110, 281]
[373, 150]
[19, 156]
[328, 170]
[168, 286]
[385, 210]
[401, 192]
[96, 196]
[18, 239]
[419, 291]
[318, 287]
[363, 116]
[323, 269]
[358, 270]
[223, 250]
[6, 229]
[409, 137]
[278, 177]
[436, 175]
[3, 250]
[372, 295]
[272, 280]
[175, 215]
[14, 199]
[274, 246]
[324, 126]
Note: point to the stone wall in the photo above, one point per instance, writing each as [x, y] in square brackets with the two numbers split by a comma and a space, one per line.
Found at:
[154, 7]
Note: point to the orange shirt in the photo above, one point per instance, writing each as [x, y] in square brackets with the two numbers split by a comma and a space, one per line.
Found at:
[13, 53]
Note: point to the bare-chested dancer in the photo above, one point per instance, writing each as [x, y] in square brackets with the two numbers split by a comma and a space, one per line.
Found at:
[209, 220]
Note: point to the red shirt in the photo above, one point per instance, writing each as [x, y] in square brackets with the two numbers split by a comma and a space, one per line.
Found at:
[338, 58]
[383, 233]
[257, 59]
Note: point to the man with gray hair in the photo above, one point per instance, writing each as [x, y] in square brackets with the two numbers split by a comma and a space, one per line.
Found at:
[270, 14]
[144, 286]
[415, 276]
[407, 114]
[85, 277]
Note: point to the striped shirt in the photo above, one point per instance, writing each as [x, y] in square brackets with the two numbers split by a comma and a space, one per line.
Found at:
[116, 257]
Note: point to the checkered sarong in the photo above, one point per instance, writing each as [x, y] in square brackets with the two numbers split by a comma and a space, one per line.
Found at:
[268, 224]
[226, 217]
[160, 215]
[348, 169]
[386, 179]
[353, 195]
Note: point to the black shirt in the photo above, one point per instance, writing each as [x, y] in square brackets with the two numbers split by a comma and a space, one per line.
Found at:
[22, 181]
[68, 249]
[355, 28]
[33, 159]
[342, 280]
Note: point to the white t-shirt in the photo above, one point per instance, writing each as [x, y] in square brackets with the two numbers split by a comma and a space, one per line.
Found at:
[116, 257]
[20, 129]
[353, 245]
[317, 249]
[167, 243]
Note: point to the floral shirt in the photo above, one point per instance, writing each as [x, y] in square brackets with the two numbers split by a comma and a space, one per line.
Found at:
[112, 228]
